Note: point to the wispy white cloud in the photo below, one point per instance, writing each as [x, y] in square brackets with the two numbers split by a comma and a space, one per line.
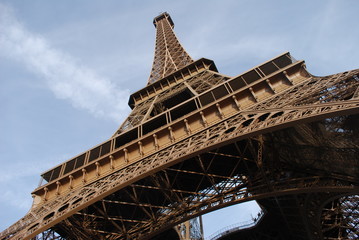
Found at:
[22, 170]
[64, 75]
[15, 199]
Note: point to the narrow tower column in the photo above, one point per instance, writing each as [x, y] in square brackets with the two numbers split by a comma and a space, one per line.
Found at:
[170, 56]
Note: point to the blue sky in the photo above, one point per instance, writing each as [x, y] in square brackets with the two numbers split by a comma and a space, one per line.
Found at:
[68, 67]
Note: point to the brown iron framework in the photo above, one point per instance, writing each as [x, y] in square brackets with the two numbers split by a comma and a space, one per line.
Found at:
[197, 141]
[170, 56]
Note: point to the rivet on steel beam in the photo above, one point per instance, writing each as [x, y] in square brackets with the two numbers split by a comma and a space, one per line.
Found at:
[219, 110]
[97, 169]
[188, 128]
[271, 86]
[71, 180]
[45, 195]
[172, 137]
[83, 175]
[140, 148]
[204, 120]
[287, 76]
[58, 184]
[236, 102]
[126, 155]
[111, 162]
[156, 141]
[253, 94]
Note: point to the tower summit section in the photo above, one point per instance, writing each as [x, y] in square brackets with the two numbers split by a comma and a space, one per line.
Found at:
[170, 55]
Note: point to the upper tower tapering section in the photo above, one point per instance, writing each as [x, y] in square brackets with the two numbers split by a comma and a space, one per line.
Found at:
[170, 56]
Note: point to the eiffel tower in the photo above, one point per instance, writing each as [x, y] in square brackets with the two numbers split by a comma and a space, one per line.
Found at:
[197, 141]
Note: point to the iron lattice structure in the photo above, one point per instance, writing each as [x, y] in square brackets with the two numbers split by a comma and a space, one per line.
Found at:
[170, 56]
[198, 140]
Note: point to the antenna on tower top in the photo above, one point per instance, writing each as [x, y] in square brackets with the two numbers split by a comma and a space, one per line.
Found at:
[162, 16]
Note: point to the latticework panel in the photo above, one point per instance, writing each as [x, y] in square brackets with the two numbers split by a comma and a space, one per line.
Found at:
[197, 141]
[340, 218]
[170, 56]
[317, 90]
[251, 176]
[153, 106]
[205, 81]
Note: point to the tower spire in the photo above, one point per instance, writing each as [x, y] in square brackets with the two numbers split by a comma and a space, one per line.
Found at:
[170, 56]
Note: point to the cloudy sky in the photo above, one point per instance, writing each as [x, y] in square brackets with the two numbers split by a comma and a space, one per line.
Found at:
[68, 67]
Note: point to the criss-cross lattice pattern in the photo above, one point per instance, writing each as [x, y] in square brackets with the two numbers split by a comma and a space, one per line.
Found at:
[285, 138]
[170, 56]
[340, 218]
[199, 83]
[223, 188]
